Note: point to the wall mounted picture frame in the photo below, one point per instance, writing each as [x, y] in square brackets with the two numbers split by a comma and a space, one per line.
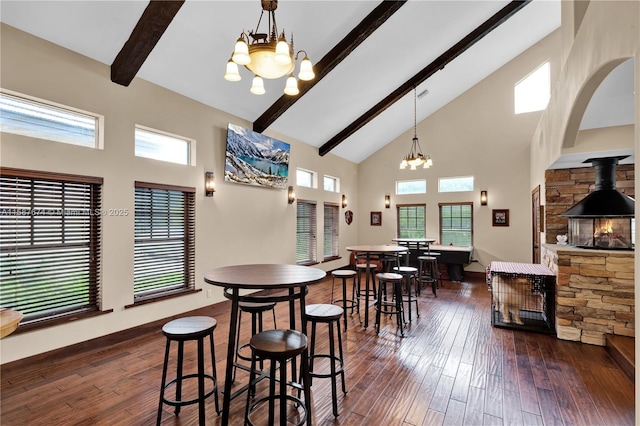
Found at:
[376, 218]
[500, 217]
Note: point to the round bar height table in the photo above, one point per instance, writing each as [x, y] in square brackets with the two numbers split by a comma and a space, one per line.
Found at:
[259, 277]
[413, 244]
[369, 250]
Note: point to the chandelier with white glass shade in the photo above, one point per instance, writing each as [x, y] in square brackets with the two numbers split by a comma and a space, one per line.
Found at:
[415, 158]
[268, 55]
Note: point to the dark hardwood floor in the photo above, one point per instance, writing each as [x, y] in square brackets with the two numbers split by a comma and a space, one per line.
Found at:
[452, 367]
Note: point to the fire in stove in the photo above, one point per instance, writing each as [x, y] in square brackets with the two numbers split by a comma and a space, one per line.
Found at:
[602, 233]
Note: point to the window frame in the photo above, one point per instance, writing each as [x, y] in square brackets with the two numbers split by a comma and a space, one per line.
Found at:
[99, 119]
[313, 175]
[399, 231]
[80, 226]
[454, 178]
[441, 221]
[399, 182]
[518, 94]
[191, 145]
[336, 183]
[188, 223]
[312, 240]
[331, 232]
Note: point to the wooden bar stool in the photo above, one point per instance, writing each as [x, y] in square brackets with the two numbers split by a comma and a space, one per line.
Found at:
[345, 274]
[256, 309]
[395, 307]
[279, 346]
[428, 272]
[330, 315]
[409, 273]
[181, 330]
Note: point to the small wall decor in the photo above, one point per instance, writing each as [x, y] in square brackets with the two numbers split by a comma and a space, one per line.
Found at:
[376, 218]
[500, 217]
[348, 217]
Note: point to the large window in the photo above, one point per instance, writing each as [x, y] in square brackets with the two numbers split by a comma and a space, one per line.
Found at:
[164, 250]
[411, 221]
[44, 120]
[163, 146]
[331, 228]
[306, 232]
[532, 92]
[456, 224]
[50, 244]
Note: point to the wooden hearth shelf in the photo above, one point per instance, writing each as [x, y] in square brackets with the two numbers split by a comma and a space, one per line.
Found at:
[623, 350]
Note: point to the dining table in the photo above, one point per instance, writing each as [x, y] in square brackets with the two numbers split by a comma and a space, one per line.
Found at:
[234, 278]
[369, 252]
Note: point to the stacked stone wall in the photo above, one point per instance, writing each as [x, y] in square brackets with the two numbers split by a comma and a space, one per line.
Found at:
[594, 293]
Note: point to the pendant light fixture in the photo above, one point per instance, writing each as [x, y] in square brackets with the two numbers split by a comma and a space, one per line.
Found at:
[268, 55]
[415, 158]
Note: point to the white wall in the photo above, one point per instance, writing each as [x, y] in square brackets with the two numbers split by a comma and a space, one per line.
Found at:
[477, 135]
[240, 224]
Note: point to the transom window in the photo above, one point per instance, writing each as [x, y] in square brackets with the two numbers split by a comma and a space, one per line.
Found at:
[164, 250]
[40, 119]
[163, 146]
[411, 221]
[331, 231]
[331, 184]
[306, 232]
[456, 224]
[50, 244]
[455, 184]
[532, 92]
[411, 187]
[306, 178]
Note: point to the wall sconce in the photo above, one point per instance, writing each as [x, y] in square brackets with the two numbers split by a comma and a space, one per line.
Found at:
[483, 198]
[209, 184]
[291, 195]
[344, 201]
[387, 201]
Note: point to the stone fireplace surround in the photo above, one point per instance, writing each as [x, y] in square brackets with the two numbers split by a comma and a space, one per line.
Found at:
[594, 288]
[594, 292]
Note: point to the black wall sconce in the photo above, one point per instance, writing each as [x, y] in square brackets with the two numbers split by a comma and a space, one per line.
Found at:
[483, 198]
[387, 201]
[209, 184]
[291, 195]
[344, 201]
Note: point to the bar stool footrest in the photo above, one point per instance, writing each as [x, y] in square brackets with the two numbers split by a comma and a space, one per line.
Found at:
[339, 366]
[299, 403]
[182, 403]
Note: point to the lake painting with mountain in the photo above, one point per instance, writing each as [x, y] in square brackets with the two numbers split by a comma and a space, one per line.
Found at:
[255, 159]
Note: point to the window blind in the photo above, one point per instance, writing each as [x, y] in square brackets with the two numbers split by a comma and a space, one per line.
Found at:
[164, 251]
[331, 228]
[306, 232]
[50, 243]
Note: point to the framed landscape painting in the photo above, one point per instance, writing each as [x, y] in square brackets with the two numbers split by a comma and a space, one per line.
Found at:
[255, 159]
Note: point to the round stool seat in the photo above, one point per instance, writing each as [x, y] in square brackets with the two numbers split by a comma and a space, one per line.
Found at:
[323, 312]
[405, 269]
[256, 306]
[427, 257]
[189, 328]
[278, 344]
[365, 266]
[343, 273]
[389, 276]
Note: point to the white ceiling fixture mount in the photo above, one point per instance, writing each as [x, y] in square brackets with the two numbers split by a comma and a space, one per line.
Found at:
[415, 158]
[268, 55]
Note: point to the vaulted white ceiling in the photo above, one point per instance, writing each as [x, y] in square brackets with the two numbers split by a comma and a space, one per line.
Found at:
[190, 57]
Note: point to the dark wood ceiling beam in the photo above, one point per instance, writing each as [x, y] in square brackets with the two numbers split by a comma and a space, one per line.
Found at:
[339, 52]
[152, 24]
[438, 64]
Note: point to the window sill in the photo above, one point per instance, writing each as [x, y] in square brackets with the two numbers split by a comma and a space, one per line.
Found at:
[308, 263]
[331, 259]
[163, 297]
[63, 319]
